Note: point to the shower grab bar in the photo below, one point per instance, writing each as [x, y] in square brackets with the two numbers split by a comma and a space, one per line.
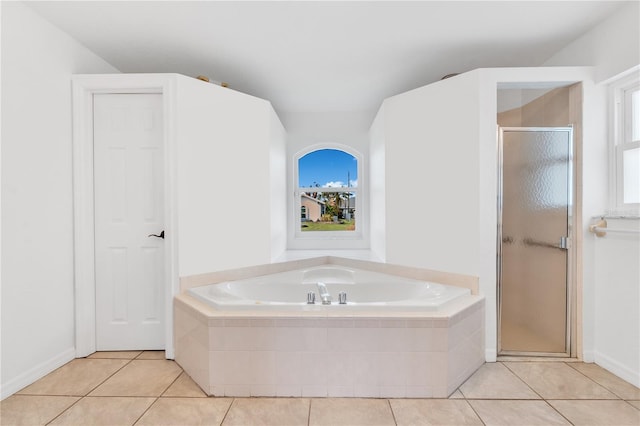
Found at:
[535, 243]
[600, 229]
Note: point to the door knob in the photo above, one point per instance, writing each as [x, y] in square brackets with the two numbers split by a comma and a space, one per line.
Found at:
[156, 235]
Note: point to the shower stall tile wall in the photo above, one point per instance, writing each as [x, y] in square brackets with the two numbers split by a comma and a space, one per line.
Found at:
[365, 355]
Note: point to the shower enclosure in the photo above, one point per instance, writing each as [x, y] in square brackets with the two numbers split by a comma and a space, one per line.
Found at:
[534, 234]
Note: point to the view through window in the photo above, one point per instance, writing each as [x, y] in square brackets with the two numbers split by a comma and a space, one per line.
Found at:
[328, 188]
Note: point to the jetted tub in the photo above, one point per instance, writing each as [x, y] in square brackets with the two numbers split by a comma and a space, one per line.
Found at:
[395, 337]
[363, 289]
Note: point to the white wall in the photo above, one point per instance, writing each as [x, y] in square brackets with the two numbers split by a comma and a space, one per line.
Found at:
[431, 173]
[278, 184]
[612, 47]
[617, 301]
[37, 239]
[305, 129]
[377, 189]
[227, 146]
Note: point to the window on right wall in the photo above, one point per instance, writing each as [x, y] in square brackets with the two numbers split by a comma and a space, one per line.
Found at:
[625, 125]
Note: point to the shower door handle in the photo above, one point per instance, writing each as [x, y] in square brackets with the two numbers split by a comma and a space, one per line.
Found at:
[564, 243]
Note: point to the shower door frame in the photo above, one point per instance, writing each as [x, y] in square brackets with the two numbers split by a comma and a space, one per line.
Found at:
[571, 309]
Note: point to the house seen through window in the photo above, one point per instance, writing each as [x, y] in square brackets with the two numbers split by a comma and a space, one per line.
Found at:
[328, 190]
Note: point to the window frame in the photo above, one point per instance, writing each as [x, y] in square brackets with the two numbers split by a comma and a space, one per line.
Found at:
[357, 239]
[620, 123]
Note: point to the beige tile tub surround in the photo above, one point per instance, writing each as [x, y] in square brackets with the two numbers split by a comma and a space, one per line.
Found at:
[399, 354]
[381, 354]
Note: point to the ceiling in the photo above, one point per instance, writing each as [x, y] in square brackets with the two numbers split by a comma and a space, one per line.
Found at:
[324, 56]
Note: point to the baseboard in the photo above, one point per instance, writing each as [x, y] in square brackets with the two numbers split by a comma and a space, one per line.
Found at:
[28, 377]
[490, 355]
[588, 356]
[618, 369]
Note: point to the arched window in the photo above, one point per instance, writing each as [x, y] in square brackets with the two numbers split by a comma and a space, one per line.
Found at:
[328, 196]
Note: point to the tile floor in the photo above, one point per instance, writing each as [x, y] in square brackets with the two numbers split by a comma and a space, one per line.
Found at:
[142, 388]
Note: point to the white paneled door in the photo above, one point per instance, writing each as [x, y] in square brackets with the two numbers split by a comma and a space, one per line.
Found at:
[129, 210]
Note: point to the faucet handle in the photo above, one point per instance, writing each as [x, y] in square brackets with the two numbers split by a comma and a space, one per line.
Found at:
[311, 298]
[342, 298]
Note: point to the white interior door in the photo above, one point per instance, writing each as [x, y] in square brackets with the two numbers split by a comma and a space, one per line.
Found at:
[129, 206]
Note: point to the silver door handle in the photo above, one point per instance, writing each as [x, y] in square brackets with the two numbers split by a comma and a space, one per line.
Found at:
[161, 235]
[564, 243]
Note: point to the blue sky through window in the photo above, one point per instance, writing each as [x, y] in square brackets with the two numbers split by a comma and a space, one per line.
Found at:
[327, 167]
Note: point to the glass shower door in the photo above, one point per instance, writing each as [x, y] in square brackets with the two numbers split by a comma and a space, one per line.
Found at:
[535, 212]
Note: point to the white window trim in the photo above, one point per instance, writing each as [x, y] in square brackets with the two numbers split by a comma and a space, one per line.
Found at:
[358, 239]
[620, 141]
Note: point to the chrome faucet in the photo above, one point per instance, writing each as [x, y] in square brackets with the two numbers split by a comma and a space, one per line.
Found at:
[311, 298]
[325, 297]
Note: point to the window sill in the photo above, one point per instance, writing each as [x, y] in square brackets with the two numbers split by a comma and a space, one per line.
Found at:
[356, 254]
[618, 216]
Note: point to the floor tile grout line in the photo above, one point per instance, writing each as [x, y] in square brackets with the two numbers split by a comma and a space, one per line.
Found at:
[145, 411]
[558, 411]
[309, 412]
[523, 381]
[94, 388]
[171, 384]
[90, 390]
[596, 382]
[227, 412]
[393, 415]
[110, 376]
[628, 401]
[475, 412]
[65, 410]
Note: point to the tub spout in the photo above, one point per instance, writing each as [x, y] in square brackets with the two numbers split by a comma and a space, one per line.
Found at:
[325, 297]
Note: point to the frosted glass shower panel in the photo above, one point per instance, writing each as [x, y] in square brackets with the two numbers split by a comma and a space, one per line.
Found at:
[536, 178]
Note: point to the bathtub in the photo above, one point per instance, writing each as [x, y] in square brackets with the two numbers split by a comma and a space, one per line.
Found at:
[399, 334]
[363, 289]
